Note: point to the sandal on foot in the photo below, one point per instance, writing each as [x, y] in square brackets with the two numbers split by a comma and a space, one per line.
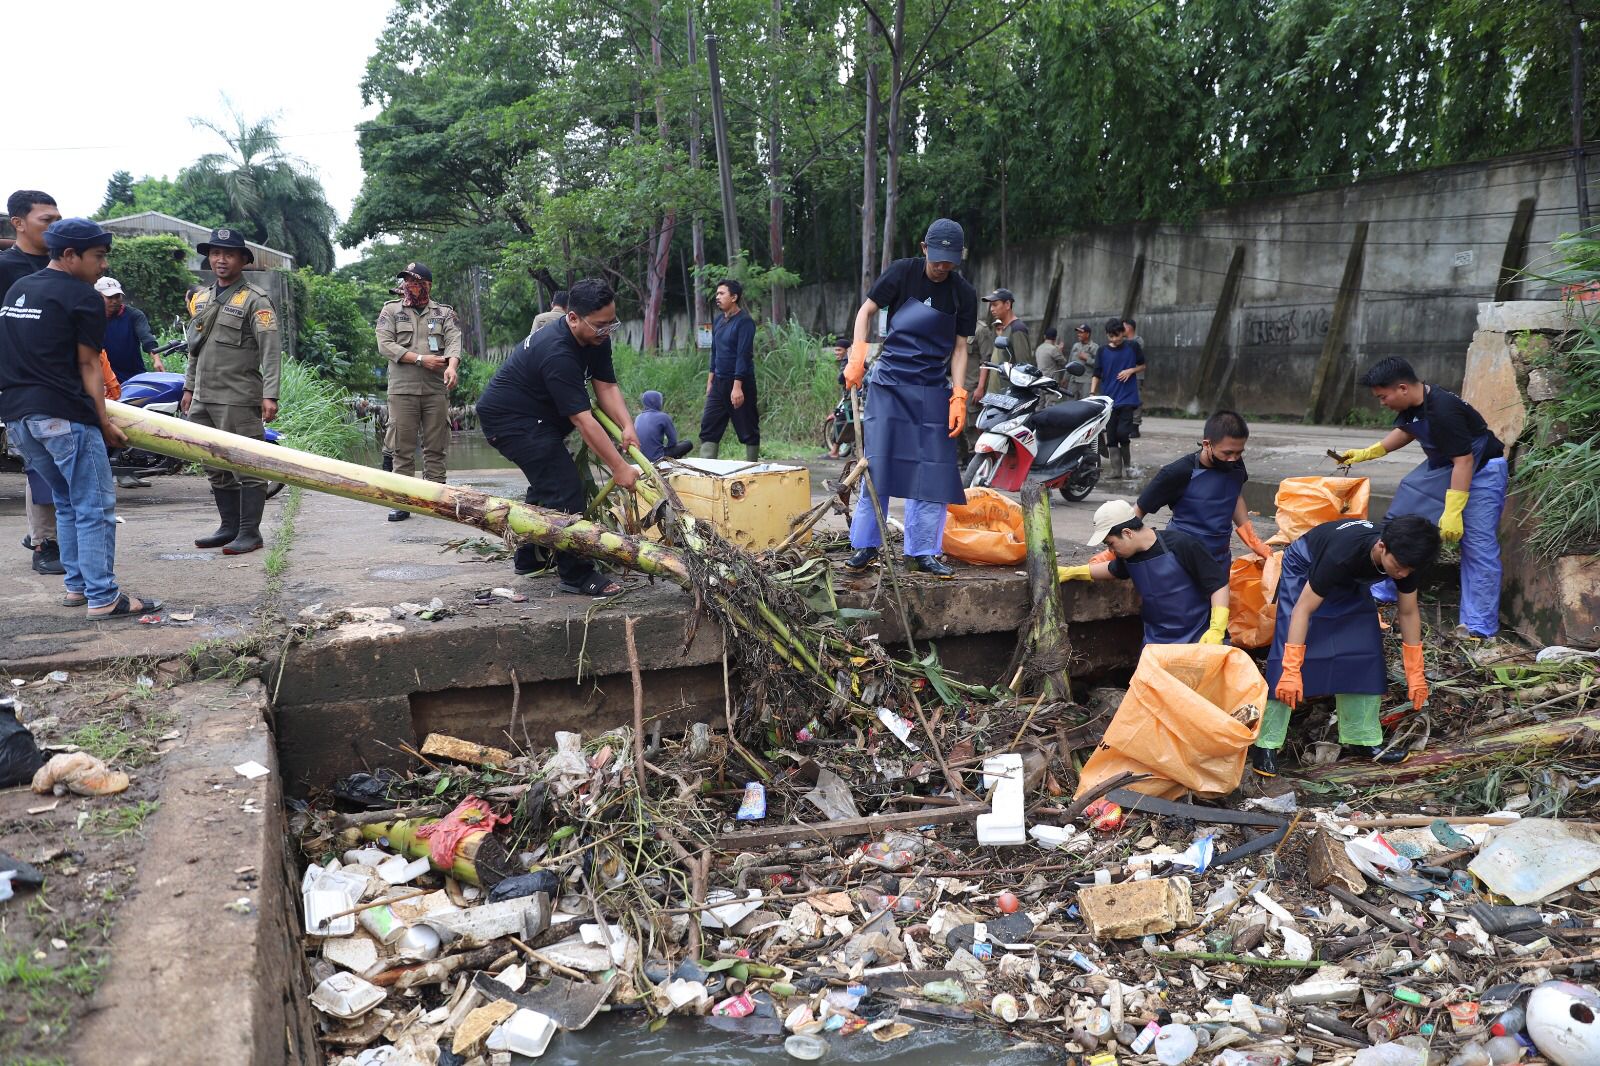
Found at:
[124, 608]
[596, 584]
[74, 599]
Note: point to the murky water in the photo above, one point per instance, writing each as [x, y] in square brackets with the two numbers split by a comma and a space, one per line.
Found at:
[468, 451]
[628, 1039]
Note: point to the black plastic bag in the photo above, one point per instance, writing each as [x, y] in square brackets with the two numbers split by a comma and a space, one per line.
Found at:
[20, 757]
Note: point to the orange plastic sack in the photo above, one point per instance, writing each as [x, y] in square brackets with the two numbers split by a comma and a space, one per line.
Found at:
[1306, 502]
[1251, 612]
[1177, 722]
[986, 530]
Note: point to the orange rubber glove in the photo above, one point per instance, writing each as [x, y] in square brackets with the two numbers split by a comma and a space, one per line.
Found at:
[1291, 689]
[1416, 682]
[1247, 533]
[958, 410]
[1102, 557]
[855, 371]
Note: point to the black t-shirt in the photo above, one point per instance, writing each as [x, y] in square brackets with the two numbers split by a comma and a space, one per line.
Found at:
[543, 382]
[1207, 574]
[1453, 424]
[1341, 558]
[15, 264]
[1169, 484]
[907, 279]
[44, 318]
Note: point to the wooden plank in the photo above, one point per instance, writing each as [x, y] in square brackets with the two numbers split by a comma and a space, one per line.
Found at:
[1324, 384]
[444, 746]
[1516, 252]
[845, 827]
[1217, 335]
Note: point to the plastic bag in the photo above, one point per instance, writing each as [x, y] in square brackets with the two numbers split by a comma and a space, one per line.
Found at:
[20, 757]
[1251, 613]
[1304, 503]
[78, 772]
[1180, 722]
[986, 530]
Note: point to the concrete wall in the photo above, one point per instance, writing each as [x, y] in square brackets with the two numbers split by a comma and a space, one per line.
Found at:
[1435, 244]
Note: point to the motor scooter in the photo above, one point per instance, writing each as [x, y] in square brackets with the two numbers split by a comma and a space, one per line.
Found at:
[1024, 441]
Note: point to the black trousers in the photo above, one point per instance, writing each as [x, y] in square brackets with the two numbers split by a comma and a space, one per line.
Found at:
[1122, 428]
[553, 482]
[719, 409]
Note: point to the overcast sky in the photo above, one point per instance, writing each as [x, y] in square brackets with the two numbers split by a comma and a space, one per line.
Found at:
[163, 63]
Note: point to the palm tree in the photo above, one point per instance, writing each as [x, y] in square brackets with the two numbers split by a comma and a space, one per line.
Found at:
[274, 195]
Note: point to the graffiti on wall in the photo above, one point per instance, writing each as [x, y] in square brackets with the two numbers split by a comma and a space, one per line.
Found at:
[1298, 324]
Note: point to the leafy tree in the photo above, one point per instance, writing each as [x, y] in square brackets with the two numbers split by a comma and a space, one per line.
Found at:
[274, 196]
[119, 195]
[153, 274]
[333, 333]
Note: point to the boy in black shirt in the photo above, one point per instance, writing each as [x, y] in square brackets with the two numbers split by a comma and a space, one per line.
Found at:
[1327, 641]
[538, 397]
[1206, 490]
[32, 212]
[52, 394]
[1461, 484]
[1183, 591]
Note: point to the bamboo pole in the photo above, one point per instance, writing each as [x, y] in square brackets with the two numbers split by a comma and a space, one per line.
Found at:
[1046, 637]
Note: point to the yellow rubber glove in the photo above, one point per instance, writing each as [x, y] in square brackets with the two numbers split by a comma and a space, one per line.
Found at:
[1247, 533]
[1291, 687]
[958, 410]
[855, 371]
[1361, 455]
[1455, 501]
[1219, 626]
[1073, 573]
[1416, 681]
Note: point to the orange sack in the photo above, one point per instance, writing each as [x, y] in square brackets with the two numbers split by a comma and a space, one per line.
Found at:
[1251, 612]
[1306, 502]
[1180, 722]
[986, 530]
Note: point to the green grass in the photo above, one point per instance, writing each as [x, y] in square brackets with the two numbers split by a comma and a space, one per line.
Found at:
[120, 820]
[124, 736]
[278, 557]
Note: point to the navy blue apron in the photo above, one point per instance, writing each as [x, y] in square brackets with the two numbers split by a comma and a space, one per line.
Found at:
[1173, 609]
[1205, 511]
[1344, 646]
[1421, 492]
[909, 450]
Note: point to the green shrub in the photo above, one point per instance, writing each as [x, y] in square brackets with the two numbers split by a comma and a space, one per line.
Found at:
[153, 275]
[333, 335]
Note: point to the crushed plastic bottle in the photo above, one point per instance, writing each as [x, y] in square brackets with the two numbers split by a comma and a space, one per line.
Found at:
[1391, 1054]
[1504, 1050]
[895, 852]
[1176, 1044]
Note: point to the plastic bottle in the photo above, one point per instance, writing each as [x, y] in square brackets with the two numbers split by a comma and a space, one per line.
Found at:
[1176, 1044]
[1471, 1054]
[1389, 1054]
[1510, 1022]
[804, 1047]
[1504, 1050]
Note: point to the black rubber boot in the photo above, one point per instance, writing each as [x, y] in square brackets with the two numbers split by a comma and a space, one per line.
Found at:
[1125, 453]
[530, 559]
[933, 566]
[398, 515]
[752, 453]
[861, 560]
[1264, 761]
[1377, 753]
[228, 509]
[252, 501]
[47, 558]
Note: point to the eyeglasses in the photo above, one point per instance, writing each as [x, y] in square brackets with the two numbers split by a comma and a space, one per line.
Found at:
[603, 330]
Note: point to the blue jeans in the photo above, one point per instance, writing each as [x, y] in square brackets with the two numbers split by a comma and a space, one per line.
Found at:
[924, 525]
[73, 463]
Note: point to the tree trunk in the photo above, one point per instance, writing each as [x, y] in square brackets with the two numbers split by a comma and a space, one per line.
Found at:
[698, 232]
[661, 247]
[1045, 652]
[869, 167]
[1518, 744]
[891, 171]
[779, 309]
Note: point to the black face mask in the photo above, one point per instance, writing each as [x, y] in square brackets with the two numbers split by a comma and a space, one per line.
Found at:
[1225, 465]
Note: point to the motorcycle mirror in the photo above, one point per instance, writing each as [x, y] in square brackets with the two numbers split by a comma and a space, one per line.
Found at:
[1002, 342]
[1077, 369]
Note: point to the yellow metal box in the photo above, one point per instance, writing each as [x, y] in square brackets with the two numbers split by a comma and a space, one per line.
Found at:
[751, 504]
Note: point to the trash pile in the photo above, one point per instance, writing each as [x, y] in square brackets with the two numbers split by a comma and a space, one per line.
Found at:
[869, 879]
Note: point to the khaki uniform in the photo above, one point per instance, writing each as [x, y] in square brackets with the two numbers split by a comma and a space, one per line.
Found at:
[235, 356]
[980, 350]
[543, 319]
[419, 403]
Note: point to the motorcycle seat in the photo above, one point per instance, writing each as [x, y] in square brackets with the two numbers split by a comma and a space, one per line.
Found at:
[1064, 417]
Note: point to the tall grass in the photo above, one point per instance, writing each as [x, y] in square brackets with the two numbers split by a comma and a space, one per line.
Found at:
[796, 387]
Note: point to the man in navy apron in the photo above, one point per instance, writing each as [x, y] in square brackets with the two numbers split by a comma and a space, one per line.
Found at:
[914, 416]
[1206, 490]
[1327, 641]
[1183, 591]
[1461, 485]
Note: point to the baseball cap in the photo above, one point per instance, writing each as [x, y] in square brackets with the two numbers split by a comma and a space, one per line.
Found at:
[108, 286]
[1083, 327]
[1108, 516]
[1000, 294]
[419, 270]
[945, 241]
[78, 233]
[1051, 334]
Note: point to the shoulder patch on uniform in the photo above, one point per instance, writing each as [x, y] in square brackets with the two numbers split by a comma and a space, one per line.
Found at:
[240, 297]
[265, 319]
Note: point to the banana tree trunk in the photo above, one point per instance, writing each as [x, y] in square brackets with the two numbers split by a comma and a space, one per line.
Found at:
[492, 514]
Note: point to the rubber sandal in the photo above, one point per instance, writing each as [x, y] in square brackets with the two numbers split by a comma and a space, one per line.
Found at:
[123, 608]
[596, 585]
[74, 599]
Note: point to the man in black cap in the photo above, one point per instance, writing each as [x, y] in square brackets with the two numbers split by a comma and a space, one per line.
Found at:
[52, 398]
[1013, 342]
[1087, 352]
[32, 212]
[232, 381]
[915, 415]
[421, 338]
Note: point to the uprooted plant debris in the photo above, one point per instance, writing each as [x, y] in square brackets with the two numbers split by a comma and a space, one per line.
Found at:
[806, 882]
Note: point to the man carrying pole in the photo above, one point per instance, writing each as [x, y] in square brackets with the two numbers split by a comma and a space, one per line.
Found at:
[916, 416]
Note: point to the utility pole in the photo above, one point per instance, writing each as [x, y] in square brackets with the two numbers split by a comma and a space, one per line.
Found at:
[719, 129]
[1579, 164]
